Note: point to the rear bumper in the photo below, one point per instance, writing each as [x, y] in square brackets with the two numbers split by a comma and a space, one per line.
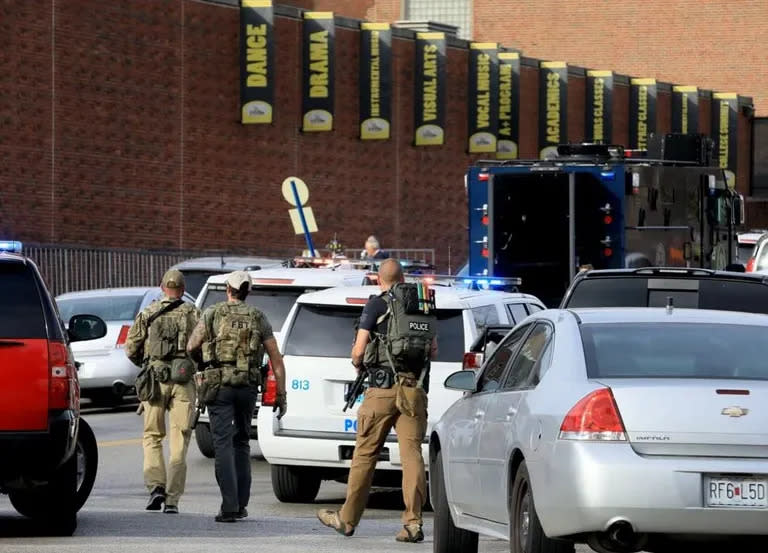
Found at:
[585, 487]
[103, 371]
[31, 457]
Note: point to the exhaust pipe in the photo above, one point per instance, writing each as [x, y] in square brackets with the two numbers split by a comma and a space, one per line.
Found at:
[118, 389]
[619, 538]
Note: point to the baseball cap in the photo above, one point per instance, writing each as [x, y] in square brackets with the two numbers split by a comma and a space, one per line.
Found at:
[238, 278]
[173, 278]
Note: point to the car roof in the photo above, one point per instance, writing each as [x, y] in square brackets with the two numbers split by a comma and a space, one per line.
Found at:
[226, 263]
[100, 292]
[750, 237]
[300, 277]
[660, 315]
[8, 257]
[445, 297]
[672, 272]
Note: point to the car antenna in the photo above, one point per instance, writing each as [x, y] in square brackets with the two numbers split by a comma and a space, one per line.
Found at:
[670, 305]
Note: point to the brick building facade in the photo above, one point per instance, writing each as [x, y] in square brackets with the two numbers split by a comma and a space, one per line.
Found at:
[119, 127]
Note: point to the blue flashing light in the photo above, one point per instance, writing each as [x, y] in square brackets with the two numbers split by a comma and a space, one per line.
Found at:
[468, 281]
[607, 175]
[496, 283]
[11, 246]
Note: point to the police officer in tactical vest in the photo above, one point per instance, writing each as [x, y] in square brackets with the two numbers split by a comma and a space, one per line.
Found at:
[157, 342]
[394, 343]
[233, 337]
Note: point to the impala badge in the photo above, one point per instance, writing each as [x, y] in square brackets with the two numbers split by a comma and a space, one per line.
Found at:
[734, 412]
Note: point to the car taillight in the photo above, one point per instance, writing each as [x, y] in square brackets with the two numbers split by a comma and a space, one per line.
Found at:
[472, 361]
[750, 265]
[594, 417]
[269, 393]
[122, 336]
[62, 386]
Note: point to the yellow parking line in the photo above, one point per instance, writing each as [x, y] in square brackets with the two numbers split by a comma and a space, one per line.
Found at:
[114, 443]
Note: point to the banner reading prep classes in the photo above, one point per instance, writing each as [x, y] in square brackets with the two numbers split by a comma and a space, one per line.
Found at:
[375, 81]
[598, 125]
[642, 112]
[429, 78]
[317, 66]
[257, 65]
[685, 109]
[724, 111]
[509, 106]
[483, 97]
[553, 108]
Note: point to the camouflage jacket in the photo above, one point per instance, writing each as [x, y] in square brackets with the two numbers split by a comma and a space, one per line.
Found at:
[136, 347]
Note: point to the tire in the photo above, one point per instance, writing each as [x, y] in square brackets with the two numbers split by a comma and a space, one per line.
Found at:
[447, 537]
[522, 508]
[204, 440]
[87, 455]
[294, 484]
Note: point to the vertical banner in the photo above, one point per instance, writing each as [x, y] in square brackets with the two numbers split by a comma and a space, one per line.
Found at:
[257, 61]
[642, 112]
[509, 105]
[553, 106]
[598, 125]
[429, 96]
[685, 109]
[724, 120]
[375, 81]
[483, 96]
[317, 72]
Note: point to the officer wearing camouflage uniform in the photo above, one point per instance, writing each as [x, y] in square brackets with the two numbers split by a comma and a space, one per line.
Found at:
[161, 345]
[232, 337]
[401, 404]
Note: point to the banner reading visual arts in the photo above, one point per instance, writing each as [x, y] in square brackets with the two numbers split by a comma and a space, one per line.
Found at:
[429, 77]
[724, 120]
[553, 106]
[509, 106]
[483, 96]
[375, 81]
[317, 72]
[598, 125]
[642, 112]
[257, 65]
[685, 109]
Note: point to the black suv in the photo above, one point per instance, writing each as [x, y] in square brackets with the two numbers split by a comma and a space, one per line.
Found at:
[658, 287]
[49, 455]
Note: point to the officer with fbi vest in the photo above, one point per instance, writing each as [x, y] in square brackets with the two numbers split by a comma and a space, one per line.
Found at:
[395, 341]
[233, 336]
[157, 343]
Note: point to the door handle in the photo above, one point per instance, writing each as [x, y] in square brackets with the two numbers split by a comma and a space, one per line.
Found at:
[479, 414]
[511, 412]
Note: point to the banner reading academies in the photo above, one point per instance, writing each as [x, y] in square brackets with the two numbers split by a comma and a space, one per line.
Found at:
[598, 125]
[509, 105]
[483, 96]
[429, 98]
[318, 74]
[553, 107]
[257, 61]
[375, 81]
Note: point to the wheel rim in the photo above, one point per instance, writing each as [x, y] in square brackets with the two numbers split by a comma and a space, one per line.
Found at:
[81, 465]
[524, 519]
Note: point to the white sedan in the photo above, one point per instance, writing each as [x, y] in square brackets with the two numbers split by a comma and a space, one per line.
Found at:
[628, 429]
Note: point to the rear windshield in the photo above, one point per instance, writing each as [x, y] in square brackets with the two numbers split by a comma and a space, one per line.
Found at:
[21, 313]
[718, 294]
[675, 350]
[195, 280]
[328, 331]
[274, 302]
[109, 308]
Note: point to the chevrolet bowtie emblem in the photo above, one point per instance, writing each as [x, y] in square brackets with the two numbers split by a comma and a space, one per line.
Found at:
[734, 412]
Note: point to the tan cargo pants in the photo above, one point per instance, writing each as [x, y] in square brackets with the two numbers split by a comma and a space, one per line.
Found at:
[179, 401]
[375, 418]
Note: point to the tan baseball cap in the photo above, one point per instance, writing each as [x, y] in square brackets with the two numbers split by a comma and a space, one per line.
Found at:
[173, 278]
[238, 278]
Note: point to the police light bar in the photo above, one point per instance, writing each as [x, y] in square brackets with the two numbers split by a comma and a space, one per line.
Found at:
[10, 246]
[473, 283]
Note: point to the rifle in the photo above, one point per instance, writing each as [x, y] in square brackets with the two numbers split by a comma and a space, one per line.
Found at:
[196, 415]
[356, 389]
[199, 405]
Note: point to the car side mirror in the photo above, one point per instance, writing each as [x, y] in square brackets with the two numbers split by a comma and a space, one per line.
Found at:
[86, 327]
[738, 210]
[463, 381]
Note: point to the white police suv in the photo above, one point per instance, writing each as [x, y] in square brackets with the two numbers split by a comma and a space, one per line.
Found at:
[273, 291]
[315, 440]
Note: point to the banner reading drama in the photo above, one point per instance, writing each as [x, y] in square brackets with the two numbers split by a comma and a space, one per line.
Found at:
[483, 96]
[642, 112]
[724, 111]
[509, 105]
[257, 61]
[553, 108]
[685, 109]
[598, 125]
[317, 82]
[375, 80]
[430, 89]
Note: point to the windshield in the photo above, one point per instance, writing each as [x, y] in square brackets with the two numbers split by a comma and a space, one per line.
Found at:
[195, 280]
[675, 350]
[328, 331]
[109, 308]
[274, 302]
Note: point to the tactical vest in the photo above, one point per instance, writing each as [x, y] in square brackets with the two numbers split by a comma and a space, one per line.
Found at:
[407, 345]
[237, 342]
[168, 335]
